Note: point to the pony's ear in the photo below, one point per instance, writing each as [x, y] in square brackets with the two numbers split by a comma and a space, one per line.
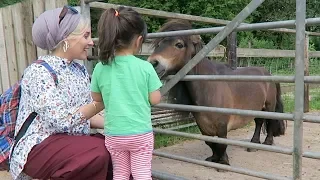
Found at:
[196, 39]
[197, 43]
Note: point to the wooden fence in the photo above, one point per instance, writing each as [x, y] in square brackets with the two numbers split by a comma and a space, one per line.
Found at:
[17, 50]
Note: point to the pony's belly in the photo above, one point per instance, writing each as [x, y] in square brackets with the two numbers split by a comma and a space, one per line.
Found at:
[236, 122]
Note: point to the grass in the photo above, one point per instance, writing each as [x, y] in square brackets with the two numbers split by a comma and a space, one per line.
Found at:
[163, 140]
[288, 100]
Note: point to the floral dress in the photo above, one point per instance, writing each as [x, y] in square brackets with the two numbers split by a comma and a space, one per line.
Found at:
[52, 103]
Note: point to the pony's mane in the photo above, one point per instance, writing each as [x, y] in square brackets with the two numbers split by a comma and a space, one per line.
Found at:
[174, 25]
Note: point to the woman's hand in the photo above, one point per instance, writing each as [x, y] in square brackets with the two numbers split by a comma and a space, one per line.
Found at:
[97, 122]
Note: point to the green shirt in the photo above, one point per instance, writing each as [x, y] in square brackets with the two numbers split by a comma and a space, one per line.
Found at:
[125, 85]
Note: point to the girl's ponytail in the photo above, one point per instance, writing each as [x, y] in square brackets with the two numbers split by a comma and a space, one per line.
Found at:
[108, 26]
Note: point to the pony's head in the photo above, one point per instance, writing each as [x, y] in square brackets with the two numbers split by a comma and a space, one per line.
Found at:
[172, 53]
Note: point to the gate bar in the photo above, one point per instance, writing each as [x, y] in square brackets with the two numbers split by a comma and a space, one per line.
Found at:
[276, 149]
[243, 27]
[253, 5]
[193, 108]
[299, 89]
[221, 166]
[161, 175]
[90, 1]
[255, 78]
[262, 114]
[251, 78]
[226, 141]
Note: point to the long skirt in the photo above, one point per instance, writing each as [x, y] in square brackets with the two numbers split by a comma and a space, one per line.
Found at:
[65, 157]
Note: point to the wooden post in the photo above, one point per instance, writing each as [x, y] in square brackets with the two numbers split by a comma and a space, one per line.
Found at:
[4, 67]
[306, 73]
[20, 42]
[85, 11]
[248, 59]
[10, 44]
[232, 50]
[38, 9]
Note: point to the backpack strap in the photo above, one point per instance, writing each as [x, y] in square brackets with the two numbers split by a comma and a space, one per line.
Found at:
[33, 115]
[24, 127]
[48, 67]
[79, 66]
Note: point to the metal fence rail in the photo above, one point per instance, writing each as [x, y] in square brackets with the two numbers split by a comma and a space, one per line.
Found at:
[299, 79]
[161, 175]
[223, 167]
[246, 27]
[262, 114]
[286, 79]
[276, 149]
[299, 88]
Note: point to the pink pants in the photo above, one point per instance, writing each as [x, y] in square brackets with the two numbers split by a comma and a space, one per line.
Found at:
[131, 154]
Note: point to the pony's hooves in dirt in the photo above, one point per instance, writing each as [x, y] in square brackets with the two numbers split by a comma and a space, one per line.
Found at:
[221, 170]
[210, 159]
[268, 143]
[224, 163]
[251, 150]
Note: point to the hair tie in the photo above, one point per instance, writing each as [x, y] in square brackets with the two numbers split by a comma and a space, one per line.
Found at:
[116, 13]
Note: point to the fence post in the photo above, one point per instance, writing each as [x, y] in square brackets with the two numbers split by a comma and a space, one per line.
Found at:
[85, 11]
[232, 50]
[306, 73]
[299, 88]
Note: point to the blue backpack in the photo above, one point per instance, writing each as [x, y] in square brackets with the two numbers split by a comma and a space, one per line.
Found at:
[9, 107]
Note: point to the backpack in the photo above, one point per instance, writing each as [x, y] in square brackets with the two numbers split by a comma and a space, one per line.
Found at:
[9, 108]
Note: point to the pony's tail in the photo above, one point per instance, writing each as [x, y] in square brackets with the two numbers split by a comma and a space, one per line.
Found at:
[278, 126]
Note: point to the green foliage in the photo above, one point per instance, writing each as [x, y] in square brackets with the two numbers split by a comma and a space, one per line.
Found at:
[271, 10]
[8, 2]
[163, 140]
[74, 2]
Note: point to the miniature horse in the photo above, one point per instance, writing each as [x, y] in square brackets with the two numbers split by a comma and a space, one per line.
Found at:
[172, 53]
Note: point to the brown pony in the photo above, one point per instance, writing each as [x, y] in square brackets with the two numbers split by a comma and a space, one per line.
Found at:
[172, 53]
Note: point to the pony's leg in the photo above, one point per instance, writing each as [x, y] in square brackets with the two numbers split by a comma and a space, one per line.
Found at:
[221, 151]
[256, 135]
[211, 158]
[220, 155]
[269, 138]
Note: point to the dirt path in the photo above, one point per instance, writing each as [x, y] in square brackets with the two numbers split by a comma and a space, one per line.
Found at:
[264, 161]
[261, 160]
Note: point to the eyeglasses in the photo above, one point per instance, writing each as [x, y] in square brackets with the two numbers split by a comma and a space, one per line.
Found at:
[64, 12]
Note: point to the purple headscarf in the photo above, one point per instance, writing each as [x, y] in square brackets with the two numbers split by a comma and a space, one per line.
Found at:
[47, 33]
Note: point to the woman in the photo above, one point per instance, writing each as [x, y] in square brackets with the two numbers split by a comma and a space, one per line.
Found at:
[57, 144]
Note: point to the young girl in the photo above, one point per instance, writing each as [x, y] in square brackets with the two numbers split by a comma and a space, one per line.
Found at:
[128, 87]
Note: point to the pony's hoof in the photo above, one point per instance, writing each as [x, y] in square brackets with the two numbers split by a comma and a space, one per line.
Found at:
[251, 150]
[221, 170]
[210, 159]
[224, 162]
[268, 142]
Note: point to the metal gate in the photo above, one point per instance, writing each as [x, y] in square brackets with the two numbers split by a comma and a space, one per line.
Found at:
[299, 79]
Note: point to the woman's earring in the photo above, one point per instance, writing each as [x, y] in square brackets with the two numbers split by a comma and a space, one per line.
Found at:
[65, 46]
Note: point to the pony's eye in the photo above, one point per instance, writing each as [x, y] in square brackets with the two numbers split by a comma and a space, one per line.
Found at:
[179, 45]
